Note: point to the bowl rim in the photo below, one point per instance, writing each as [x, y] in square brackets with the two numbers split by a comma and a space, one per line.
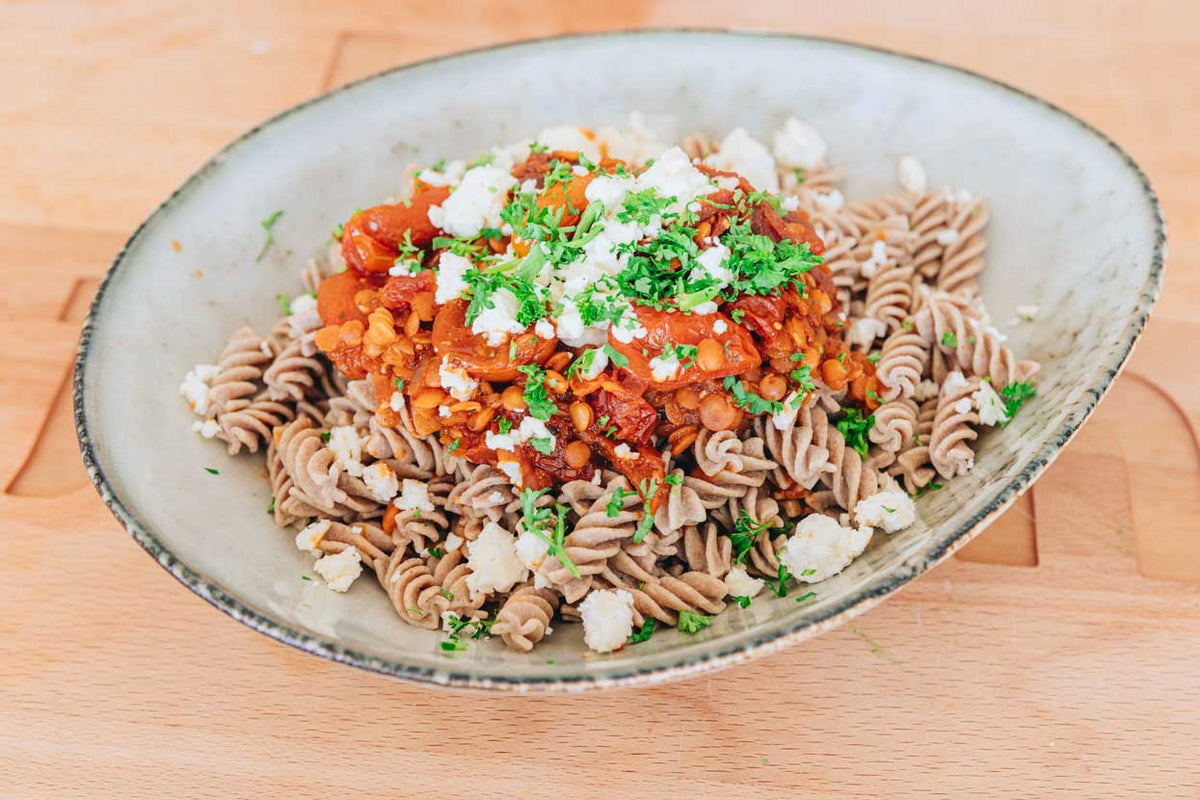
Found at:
[690, 664]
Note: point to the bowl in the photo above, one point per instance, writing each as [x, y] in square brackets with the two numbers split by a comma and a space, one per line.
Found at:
[1076, 229]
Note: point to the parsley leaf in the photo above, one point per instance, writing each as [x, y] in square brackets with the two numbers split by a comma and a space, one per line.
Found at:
[949, 339]
[745, 533]
[1015, 395]
[780, 586]
[643, 633]
[854, 427]
[693, 622]
[749, 400]
[268, 224]
[536, 397]
[542, 445]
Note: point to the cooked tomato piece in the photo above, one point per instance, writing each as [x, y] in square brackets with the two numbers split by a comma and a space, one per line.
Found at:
[631, 416]
[335, 298]
[569, 196]
[452, 336]
[644, 470]
[399, 290]
[724, 352]
[765, 221]
[371, 239]
[762, 314]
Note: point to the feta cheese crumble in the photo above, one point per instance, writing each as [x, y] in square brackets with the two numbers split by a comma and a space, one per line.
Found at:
[821, 548]
[195, 386]
[739, 583]
[664, 367]
[947, 237]
[340, 569]
[451, 277]
[492, 557]
[720, 326]
[414, 496]
[531, 549]
[380, 480]
[830, 201]
[346, 445]
[673, 175]
[891, 509]
[799, 145]
[624, 452]
[911, 174]
[530, 428]
[208, 429]
[310, 537]
[476, 204]
[741, 153]
[456, 381]
[988, 403]
[499, 321]
[607, 616]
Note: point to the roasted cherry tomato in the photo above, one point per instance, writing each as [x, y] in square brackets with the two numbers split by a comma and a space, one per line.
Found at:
[371, 239]
[626, 416]
[399, 290]
[723, 348]
[452, 336]
[796, 226]
[335, 298]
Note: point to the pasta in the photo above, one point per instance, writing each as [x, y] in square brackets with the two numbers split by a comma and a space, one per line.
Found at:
[566, 382]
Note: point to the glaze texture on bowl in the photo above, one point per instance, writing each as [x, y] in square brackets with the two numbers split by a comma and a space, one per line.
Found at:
[1075, 229]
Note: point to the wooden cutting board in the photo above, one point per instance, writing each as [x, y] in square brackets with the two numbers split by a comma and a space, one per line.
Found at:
[1058, 655]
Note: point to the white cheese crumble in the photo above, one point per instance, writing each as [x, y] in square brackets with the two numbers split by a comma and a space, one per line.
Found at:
[476, 204]
[570, 140]
[456, 381]
[628, 327]
[493, 560]
[310, 537]
[346, 445]
[571, 330]
[530, 428]
[544, 329]
[830, 201]
[499, 321]
[609, 190]
[381, 481]
[877, 259]
[741, 153]
[673, 175]
[790, 203]
[453, 542]
[739, 583]
[707, 307]
[414, 496]
[664, 367]
[532, 550]
[340, 569]
[396, 403]
[196, 385]
[451, 277]
[720, 326]
[784, 419]
[911, 174]
[512, 469]
[947, 237]
[598, 364]
[624, 452]
[799, 145]
[607, 616]
[925, 390]
[989, 404]
[821, 548]
[891, 509]
[712, 261]
[208, 429]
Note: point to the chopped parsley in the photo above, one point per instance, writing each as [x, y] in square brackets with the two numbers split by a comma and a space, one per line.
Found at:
[617, 501]
[643, 633]
[505, 426]
[285, 303]
[535, 519]
[854, 427]
[536, 398]
[326, 436]
[647, 488]
[617, 358]
[693, 622]
[806, 596]
[212, 471]
[750, 401]
[271, 507]
[454, 445]
[437, 552]
[745, 533]
[949, 339]
[268, 225]
[582, 363]
[874, 357]
[780, 586]
[802, 375]
[742, 600]
[542, 445]
[1015, 395]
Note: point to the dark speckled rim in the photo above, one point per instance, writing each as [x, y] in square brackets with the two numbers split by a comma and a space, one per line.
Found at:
[690, 664]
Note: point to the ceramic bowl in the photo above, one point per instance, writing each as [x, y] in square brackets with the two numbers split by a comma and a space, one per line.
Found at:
[1076, 230]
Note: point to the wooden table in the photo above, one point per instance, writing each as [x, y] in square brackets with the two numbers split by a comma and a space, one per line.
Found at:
[1057, 656]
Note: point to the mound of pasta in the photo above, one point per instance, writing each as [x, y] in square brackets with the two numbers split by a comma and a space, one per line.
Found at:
[591, 377]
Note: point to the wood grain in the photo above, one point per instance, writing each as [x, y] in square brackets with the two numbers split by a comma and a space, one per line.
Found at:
[1056, 656]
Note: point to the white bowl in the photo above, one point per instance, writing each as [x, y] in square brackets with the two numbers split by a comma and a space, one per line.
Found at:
[1076, 230]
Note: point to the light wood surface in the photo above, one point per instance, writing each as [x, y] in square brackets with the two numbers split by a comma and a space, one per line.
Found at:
[1059, 655]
